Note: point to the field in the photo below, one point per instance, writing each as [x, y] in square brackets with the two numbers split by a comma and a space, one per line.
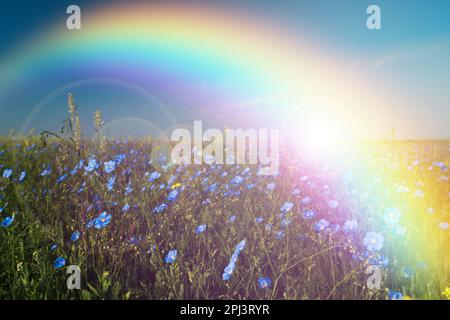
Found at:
[139, 229]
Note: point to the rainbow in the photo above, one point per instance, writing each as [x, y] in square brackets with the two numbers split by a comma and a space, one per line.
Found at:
[243, 60]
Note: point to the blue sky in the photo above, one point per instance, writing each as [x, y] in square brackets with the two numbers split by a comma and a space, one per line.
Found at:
[411, 54]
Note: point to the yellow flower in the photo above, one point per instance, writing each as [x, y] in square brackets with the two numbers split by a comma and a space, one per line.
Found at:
[176, 185]
[446, 292]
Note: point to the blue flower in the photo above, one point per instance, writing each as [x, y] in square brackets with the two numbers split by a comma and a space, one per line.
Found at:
[7, 173]
[295, 192]
[259, 219]
[333, 204]
[228, 271]
[306, 201]
[321, 225]
[53, 247]
[392, 216]
[90, 223]
[237, 180]
[111, 182]
[308, 214]
[160, 208]
[7, 222]
[171, 256]
[125, 208]
[109, 166]
[232, 264]
[394, 295]
[23, 174]
[59, 262]
[46, 171]
[153, 176]
[200, 228]
[271, 186]
[92, 165]
[286, 207]
[232, 218]
[75, 236]
[240, 246]
[350, 225]
[172, 195]
[279, 234]
[61, 179]
[102, 220]
[373, 241]
[264, 282]
[128, 190]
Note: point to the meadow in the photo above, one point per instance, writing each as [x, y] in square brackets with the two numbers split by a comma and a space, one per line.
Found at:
[140, 228]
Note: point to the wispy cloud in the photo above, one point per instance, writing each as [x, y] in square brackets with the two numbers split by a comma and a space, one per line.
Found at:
[405, 55]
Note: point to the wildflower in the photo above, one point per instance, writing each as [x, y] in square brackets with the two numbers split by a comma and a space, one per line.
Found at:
[295, 192]
[333, 204]
[172, 195]
[308, 214]
[59, 262]
[264, 282]
[7, 222]
[240, 246]
[160, 208]
[306, 201]
[350, 225]
[200, 228]
[232, 264]
[285, 222]
[90, 223]
[7, 173]
[286, 207]
[153, 176]
[212, 188]
[279, 234]
[46, 171]
[392, 216]
[92, 165]
[232, 218]
[22, 176]
[125, 208]
[109, 166]
[102, 220]
[394, 295]
[258, 219]
[373, 241]
[128, 190]
[75, 236]
[443, 225]
[53, 247]
[111, 182]
[171, 256]
[237, 180]
[228, 271]
[61, 179]
[271, 186]
[175, 185]
[321, 225]
[446, 293]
